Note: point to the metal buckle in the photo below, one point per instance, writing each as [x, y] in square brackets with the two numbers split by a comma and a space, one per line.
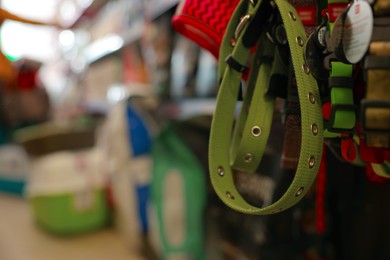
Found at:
[241, 25]
[367, 104]
[335, 108]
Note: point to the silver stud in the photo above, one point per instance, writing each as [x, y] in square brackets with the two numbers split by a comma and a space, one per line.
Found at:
[256, 131]
[292, 16]
[312, 98]
[248, 158]
[312, 161]
[314, 129]
[230, 196]
[299, 192]
[306, 69]
[221, 171]
[300, 41]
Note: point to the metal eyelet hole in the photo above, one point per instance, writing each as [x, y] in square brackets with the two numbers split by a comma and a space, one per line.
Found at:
[306, 69]
[314, 129]
[312, 98]
[248, 158]
[292, 16]
[230, 196]
[221, 171]
[300, 41]
[312, 161]
[233, 42]
[299, 192]
[256, 131]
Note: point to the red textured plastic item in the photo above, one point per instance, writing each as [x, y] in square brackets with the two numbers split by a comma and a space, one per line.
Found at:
[348, 150]
[204, 21]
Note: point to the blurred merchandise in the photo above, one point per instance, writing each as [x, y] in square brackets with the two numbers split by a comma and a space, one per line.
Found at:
[206, 78]
[14, 168]
[135, 72]
[126, 140]
[178, 198]
[157, 43]
[99, 77]
[66, 192]
[184, 64]
[27, 102]
[53, 136]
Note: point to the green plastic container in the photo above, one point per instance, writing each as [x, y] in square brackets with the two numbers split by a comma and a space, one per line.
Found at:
[66, 192]
[59, 213]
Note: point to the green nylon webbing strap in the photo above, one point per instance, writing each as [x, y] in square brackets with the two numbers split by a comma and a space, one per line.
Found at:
[341, 96]
[221, 173]
[252, 130]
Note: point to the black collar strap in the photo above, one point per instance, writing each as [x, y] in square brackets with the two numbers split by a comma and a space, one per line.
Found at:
[236, 45]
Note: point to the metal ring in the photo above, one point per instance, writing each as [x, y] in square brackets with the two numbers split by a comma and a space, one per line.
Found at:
[256, 131]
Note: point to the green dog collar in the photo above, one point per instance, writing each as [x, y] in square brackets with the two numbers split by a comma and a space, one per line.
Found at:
[236, 46]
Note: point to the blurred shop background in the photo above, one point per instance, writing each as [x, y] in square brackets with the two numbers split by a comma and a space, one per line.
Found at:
[104, 141]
